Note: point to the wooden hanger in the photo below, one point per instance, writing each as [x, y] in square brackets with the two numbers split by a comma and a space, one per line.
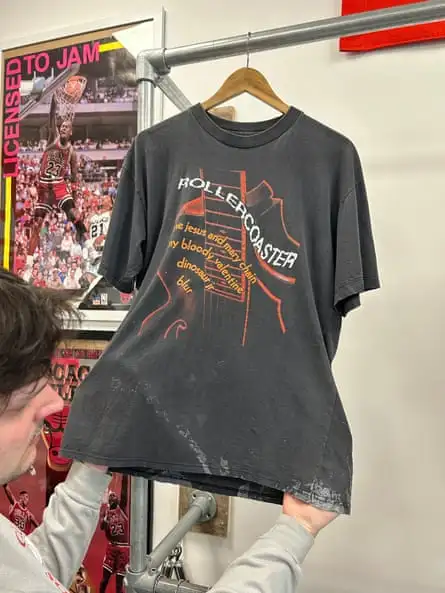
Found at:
[246, 80]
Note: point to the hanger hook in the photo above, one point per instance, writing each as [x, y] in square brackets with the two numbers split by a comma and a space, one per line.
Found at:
[248, 49]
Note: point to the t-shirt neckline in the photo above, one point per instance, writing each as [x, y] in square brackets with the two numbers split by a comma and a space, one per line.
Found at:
[245, 134]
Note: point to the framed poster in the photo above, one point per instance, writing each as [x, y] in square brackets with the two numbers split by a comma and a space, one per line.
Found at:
[69, 114]
[24, 500]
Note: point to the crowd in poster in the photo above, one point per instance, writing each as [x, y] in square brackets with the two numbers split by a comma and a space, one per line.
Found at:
[69, 116]
[24, 500]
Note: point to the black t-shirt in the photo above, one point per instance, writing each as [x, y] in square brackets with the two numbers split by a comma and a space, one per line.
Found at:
[248, 243]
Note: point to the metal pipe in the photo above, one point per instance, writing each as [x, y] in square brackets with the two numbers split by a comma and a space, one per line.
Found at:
[155, 583]
[150, 517]
[173, 92]
[146, 79]
[164, 585]
[139, 486]
[421, 12]
[202, 508]
[138, 525]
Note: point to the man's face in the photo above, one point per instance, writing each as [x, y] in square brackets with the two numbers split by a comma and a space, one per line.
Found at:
[113, 500]
[66, 130]
[20, 425]
[24, 499]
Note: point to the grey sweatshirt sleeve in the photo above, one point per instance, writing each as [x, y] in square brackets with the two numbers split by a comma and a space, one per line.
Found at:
[272, 564]
[70, 520]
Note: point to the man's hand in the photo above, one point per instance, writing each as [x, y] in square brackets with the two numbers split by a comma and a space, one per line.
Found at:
[311, 518]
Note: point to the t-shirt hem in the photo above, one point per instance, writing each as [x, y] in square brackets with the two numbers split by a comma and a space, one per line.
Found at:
[149, 470]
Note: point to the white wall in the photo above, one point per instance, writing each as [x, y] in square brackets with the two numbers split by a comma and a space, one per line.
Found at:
[390, 365]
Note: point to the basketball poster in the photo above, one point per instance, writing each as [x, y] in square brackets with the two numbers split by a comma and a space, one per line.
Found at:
[24, 500]
[69, 114]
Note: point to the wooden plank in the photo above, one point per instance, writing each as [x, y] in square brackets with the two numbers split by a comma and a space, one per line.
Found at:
[218, 526]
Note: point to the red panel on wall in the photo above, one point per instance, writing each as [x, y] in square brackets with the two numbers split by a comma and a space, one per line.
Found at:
[389, 37]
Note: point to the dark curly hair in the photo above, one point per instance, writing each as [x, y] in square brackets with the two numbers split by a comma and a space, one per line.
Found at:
[32, 323]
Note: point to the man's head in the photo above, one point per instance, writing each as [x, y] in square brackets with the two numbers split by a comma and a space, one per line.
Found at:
[107, 203]
[113, 500]
[24, 498]
[66, 130]
[31, 326]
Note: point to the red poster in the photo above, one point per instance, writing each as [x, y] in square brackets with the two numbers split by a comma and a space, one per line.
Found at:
[389, 37]
[69, 115]
[24, 500]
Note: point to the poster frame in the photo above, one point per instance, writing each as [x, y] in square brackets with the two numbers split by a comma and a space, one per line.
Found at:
[88, 27]
[95, 320]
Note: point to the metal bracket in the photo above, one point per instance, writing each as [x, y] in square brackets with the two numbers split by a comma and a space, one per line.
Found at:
[145, 71]
[202, 507]
[150, 67]
[159, 584]
[206, 502]
[156, 58]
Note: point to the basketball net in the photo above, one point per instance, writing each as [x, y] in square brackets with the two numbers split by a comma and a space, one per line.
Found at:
[68, 96]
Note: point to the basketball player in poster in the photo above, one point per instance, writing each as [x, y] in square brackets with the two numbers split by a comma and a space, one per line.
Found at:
[115, 525]
[100, 221]
[59, 161]
[19, 513]
[98, 225]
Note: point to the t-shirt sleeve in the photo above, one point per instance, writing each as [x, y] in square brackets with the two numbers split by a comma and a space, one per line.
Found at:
[123, 259]
[355, 259]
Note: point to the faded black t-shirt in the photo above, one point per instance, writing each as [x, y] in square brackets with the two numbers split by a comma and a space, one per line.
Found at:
[248, 243]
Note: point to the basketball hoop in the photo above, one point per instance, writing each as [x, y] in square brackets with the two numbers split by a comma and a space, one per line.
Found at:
[68, 95]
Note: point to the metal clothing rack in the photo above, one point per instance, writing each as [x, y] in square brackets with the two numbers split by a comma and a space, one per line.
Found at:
[152, 70]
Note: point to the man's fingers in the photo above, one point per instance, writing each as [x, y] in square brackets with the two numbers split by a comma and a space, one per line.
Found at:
[312, 518]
